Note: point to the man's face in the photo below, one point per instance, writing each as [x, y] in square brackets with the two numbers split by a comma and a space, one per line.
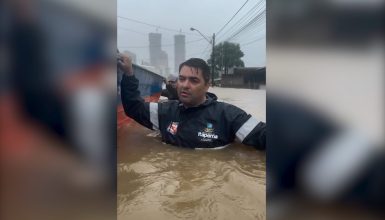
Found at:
[191, 86]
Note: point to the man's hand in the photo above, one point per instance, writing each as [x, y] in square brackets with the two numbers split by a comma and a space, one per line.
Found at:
[125, 63]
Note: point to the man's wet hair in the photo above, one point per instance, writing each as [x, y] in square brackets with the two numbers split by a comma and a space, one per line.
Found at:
[199, 64]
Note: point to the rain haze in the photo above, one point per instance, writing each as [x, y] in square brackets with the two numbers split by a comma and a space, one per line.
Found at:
[241, 22]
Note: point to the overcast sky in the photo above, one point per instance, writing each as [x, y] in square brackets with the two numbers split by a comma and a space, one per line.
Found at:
[208, 16]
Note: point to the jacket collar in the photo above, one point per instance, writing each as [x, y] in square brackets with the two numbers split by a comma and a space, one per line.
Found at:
[210, 98]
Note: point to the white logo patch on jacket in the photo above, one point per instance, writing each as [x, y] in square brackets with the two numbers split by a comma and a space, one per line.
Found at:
[207, 135]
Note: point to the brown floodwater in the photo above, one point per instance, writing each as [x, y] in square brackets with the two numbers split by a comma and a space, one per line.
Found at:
[161, 181]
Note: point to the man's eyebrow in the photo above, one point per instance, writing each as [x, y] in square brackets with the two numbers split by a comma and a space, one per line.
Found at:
[189, 77]
[192, 77]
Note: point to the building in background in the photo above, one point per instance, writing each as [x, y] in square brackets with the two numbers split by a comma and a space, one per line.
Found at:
[158, 57]
[246, 77]
[179, 50]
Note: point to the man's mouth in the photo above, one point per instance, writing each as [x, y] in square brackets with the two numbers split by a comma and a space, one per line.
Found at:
[184, 94]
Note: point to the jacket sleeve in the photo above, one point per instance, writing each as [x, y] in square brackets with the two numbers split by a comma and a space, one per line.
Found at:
[135, 107]
[165, 93]
[257, 135]
[247, 129]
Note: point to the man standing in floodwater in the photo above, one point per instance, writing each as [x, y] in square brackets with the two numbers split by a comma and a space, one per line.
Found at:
[197, 119]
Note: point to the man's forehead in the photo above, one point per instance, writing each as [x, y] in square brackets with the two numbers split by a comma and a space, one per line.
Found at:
[189, 70]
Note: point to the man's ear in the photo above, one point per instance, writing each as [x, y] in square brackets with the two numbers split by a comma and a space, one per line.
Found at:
[208, 83]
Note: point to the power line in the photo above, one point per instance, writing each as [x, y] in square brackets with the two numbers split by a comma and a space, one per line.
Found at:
[127, 29]
[248, 39]
[245, 44]
[247, 17]
[162, 45]
[152, 25]
[259, 15]
[204, 51]
[256, 19]
[200, 53]
[232, 17]
[256, 27]
[156, 26]
[238, 23]
[249, 35]
[141, 33]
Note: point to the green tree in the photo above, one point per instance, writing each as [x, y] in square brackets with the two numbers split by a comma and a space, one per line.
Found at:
[227, 55]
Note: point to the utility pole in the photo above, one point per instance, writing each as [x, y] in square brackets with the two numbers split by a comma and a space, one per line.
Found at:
[213, 62]
[212, 42]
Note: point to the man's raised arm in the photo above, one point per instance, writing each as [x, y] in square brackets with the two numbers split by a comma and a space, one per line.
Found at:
[134, 105]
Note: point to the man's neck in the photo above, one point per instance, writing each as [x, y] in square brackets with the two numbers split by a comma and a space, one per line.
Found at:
[201, 102]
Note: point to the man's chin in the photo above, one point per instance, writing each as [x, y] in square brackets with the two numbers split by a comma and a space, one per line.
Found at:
[185, 102]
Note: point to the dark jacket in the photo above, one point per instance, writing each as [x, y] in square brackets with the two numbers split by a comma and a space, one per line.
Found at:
[211, 124]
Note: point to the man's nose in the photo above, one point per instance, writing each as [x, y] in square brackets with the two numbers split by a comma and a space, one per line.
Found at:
[185, 84]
